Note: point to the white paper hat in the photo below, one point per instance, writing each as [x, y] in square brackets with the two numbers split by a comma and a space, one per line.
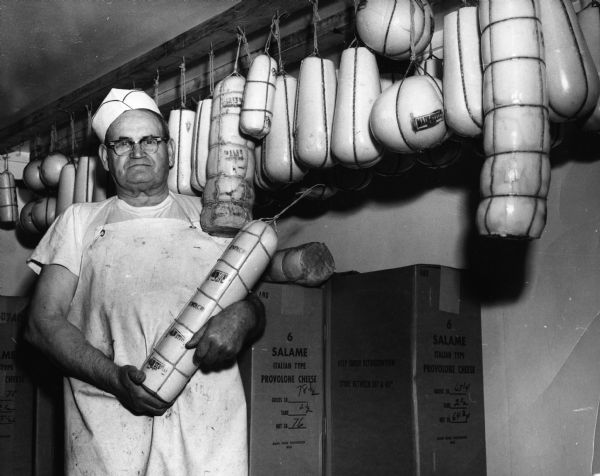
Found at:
[116, 103]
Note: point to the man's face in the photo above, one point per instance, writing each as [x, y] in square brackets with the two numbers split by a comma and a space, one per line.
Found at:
[138, 171]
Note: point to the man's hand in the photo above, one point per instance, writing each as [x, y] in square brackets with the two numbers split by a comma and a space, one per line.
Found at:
[133, 396]
[220, 340]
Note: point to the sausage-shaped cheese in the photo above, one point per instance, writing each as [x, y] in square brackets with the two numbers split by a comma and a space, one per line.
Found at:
[200, 144]
[102, 183]
[85, 177]
[393, 165]
[589, 21]
[317, 185]
[315, 104]
[9, 212]
[259, 177]
[228, 196]
[279, 165]
[50, 168]
[43, 213]
[257, 102]
[441, 156]
[409, 116]
[26, 219]
[66, 188]
[516, 173]
[573, 83]
[309, 264]
[358, 87]
[319, 192]
[388, 78]
[389, 27]
[349, 180]
[261, 180]
[181, 130]
[31, 176]
[462, 72]
[170, 365]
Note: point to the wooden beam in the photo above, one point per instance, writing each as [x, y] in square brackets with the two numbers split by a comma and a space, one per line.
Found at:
[251, 15]
[335, 29]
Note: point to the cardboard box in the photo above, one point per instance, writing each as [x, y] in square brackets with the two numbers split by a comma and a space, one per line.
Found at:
[17, 393]
[283, 380]
[404, 374]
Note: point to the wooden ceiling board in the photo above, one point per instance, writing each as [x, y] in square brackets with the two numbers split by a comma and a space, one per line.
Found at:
[335, 30]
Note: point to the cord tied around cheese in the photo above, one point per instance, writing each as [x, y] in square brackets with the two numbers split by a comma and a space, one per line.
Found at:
[170, 365]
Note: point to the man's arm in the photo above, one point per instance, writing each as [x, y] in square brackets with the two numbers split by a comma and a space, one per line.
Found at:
[220, 340]
[49, 330]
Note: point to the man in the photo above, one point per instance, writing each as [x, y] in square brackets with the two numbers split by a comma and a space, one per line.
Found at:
[113, 276]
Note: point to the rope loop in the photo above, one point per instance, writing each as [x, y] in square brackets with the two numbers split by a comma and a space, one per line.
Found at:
[182, 83]
[315, 20]
[156, 78]
[53, 137]
[72, 125]
[294, 202]
[277, 36]
[211, 68]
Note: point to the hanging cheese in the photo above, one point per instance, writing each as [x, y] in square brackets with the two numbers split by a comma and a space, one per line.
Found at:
[66, 188]
[279, 164]
[516, 132]
[349, 180]
[9, 212]
[50, 168]
[573, 82]
[257, 102]
[393, 165]
[315, 104]
[102, 183]
[309, 264]
[352, 144]
[26, 219]
[317, 186]
[43, 213]
[170, 365]
[84, 178]
[462, 72]
[431, 66]
[318, 191]
[229, 192]
[392, 28]
[557, 134]
[261, 180]
[259, 177]
[409, 116]
[441, 156]
[386, 79]
[31, 176]
[589, 21]
[200, 144]
[181, 131]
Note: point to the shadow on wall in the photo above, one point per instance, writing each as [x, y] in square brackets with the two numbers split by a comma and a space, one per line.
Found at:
[497, 265]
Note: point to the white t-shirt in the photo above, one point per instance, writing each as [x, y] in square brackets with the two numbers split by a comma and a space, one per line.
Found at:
[73, 230]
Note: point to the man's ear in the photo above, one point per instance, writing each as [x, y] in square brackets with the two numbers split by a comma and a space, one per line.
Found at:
[171, 152]
[103, 154]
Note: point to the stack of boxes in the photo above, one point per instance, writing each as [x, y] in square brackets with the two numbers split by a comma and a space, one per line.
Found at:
[17, 393]
[283, 379]
[374, 373]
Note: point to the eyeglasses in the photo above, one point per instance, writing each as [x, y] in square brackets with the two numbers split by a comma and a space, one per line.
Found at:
[148, 144]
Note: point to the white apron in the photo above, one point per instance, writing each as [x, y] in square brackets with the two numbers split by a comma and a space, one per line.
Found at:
[135, 278]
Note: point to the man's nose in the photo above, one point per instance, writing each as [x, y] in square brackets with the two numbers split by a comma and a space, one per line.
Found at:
[136, 149]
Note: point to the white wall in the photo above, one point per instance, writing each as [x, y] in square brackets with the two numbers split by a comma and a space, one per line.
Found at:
[540, 299]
